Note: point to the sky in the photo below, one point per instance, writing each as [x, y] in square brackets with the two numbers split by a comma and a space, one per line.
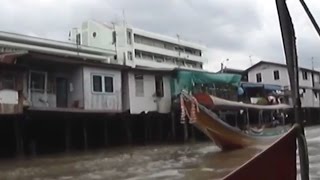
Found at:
[243, 31]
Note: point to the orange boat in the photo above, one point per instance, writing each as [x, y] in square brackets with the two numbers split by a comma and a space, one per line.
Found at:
[198, 109]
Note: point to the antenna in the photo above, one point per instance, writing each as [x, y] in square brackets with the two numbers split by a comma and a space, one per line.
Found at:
[250, 60]
[124, 17]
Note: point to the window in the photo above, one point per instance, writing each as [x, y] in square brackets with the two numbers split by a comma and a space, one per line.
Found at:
[159, 86]
[114, 37]
[102, 84]
[137, 54]
[129, 55]
[51, 84]
[129, 37]
[146, 56]
[139, 85]
[7, 81]
[108, 84]
[276, 75]
[97, 83]
[258, 76]
[304, 75]
[38, 81]
[159, 58]
[137, 39]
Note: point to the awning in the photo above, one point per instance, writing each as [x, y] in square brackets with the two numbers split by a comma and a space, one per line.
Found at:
[251, 85]
[10, 58]
[272, 87]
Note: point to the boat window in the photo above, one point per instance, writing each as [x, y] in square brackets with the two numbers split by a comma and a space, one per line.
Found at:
[38, 81]
[159, 86]
[139, 85]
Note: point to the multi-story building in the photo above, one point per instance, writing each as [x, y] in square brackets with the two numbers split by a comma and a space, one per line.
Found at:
[136, 47]
[150, 57]
[275, 73]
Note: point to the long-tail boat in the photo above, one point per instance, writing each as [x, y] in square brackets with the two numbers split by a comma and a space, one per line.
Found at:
[198, 110]
[278, 161]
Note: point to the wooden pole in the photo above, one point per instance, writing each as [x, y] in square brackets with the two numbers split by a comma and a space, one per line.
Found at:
[185, 131]
[193, 134]
[67, 135]
[146, 129]
[18, 137]
[173, 125]
[128, 128]
[85, 137]
[160, 127]
[105, 132]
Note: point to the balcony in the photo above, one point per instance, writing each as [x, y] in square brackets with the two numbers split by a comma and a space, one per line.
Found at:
[167, 52]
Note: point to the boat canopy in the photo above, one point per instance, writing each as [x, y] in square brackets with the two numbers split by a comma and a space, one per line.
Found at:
[187, 79]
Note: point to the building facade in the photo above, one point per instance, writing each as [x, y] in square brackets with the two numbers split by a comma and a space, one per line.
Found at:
[41, 74]
[104, 68]
[274, 73]
[149, 57]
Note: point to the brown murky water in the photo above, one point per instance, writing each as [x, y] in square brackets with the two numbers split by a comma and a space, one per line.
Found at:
[189, 161]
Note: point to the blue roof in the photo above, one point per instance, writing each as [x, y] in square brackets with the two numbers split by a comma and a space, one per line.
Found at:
[258, 85]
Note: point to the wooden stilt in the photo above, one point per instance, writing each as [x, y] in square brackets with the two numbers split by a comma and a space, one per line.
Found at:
[248, 118]
[173, 125]
[67, 135]
[85, 137]
[128, 128]
[160, 128]
[185, 131]
[146, 129]
[105, 131]
[18, 137]
[193, 134]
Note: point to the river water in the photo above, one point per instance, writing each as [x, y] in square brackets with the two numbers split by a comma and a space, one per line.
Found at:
[188, 161]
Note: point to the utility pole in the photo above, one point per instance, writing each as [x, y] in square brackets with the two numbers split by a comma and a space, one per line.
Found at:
[222, 64]
[250, 60]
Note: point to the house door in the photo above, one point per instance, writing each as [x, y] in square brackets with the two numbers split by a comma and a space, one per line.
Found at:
[62, 92]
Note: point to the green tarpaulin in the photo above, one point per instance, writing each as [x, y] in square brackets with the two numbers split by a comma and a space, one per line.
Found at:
[184, 79]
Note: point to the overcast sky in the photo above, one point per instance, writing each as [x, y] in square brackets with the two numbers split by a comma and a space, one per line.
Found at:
[233, 29]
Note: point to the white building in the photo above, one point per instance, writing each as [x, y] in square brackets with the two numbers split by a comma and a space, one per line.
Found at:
[149, 57]
[56, 76]
[275, 73]
[136, 47]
